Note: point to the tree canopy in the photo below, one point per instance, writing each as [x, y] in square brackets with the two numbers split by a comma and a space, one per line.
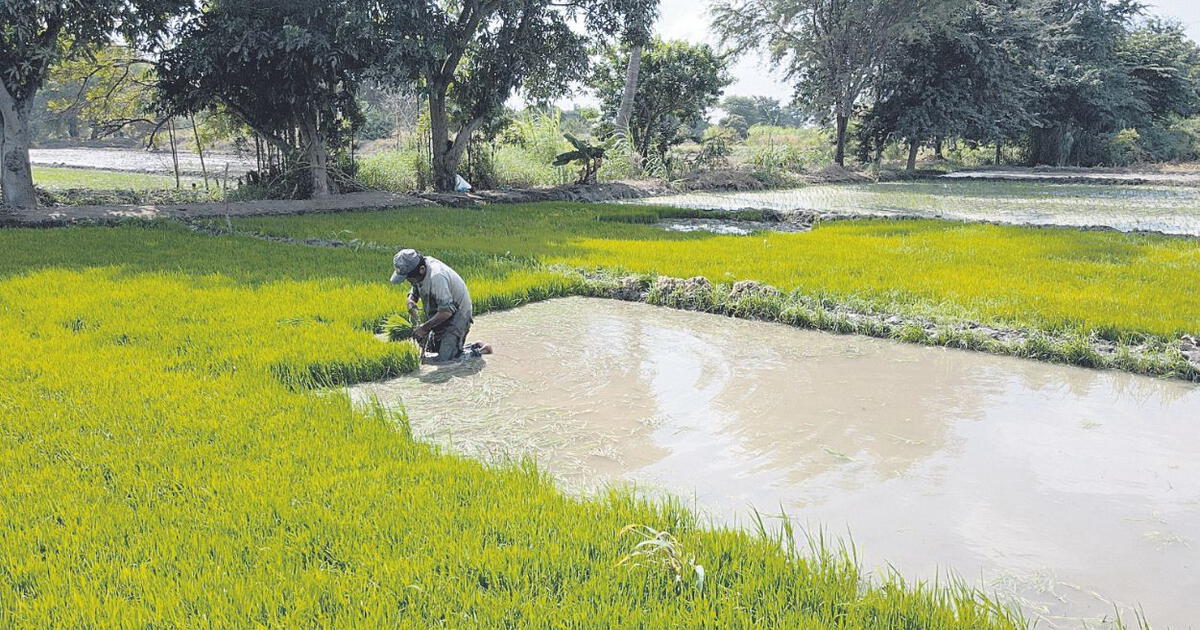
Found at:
[35, 35]
[679, 83]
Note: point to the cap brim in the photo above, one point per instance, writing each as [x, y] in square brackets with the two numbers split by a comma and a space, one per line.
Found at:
[398, 277]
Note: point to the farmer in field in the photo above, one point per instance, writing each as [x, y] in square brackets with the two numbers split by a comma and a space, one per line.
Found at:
[448, 314]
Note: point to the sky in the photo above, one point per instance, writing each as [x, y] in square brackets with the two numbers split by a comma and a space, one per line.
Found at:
[688, 19]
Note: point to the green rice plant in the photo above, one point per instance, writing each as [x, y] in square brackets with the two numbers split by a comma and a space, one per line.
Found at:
[170, 457]
[397, 328]
[54, 178]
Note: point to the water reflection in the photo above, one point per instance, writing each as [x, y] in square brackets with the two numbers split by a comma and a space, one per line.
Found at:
[1170, 209]
[1066, 487]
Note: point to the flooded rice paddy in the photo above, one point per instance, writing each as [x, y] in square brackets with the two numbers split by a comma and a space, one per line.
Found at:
[1076, 492]
[134, 160]
[1168, 209]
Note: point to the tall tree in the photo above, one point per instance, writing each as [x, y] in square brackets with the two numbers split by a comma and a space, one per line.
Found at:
[1165, 66]
[36, 34]
[1086, 93]
[831, 49]
[680, 82]
[470, 56]
[639, 20]
[969, 75]
[289, 71]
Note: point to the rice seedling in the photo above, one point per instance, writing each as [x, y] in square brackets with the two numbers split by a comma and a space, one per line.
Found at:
[170, 460]
[1113, 285]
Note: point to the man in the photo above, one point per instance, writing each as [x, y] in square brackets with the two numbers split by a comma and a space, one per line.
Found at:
[447, 304]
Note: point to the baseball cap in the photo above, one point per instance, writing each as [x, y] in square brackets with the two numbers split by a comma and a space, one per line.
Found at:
[406, 261]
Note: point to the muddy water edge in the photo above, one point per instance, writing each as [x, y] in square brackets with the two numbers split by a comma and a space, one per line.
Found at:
[1074, 492]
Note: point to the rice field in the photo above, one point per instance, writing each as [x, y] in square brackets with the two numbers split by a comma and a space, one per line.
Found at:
[1167, 209]
[170, 460]
[1110, 284]
[55, 178]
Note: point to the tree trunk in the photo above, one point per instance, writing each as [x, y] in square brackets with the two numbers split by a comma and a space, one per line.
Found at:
[200, 151]
[439, 133]
[913, 146]
[937, 149]
[318, 156]
[839, 154]
[174, 150]
[446, 153]
[16, 177]
[999, 144]
[632, 70]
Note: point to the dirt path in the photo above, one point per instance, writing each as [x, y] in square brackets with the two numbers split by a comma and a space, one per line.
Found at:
[372, 200]
[88, 214]
[1177, 177]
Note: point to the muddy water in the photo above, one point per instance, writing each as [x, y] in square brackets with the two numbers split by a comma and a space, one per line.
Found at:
[1169, 209]
[1070, 490]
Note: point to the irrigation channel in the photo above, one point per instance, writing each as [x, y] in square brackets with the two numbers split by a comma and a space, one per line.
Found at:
[1074, 492]
[1167, 209]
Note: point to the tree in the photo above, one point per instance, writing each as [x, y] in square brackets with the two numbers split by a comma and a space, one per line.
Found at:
[289, 71]
[37, 34]
[831, 48]
[1165, 66]
[105, 92]
[762, 110]
[1085, 92]
[679, 83]
[966, 75]
[636, 36]
[470, 56]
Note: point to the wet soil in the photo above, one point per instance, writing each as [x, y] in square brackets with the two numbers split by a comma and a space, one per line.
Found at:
[1073, 491]
[1157, 209]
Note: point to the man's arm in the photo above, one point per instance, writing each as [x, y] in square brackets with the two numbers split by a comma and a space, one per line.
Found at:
[433, 322]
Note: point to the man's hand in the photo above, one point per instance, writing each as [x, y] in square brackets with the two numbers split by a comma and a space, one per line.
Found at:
[420, 332]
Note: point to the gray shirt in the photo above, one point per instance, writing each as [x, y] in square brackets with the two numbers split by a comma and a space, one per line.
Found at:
[444, 290]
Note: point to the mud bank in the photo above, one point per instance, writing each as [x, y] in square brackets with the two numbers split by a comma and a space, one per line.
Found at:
[1074, 492]
[750, 300]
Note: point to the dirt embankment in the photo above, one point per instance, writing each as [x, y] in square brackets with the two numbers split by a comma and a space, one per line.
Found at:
[1160, 175]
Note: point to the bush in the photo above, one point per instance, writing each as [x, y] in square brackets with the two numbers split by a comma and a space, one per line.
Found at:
[791, 149]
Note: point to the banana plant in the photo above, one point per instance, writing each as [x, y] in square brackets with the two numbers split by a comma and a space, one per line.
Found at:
[589, 156]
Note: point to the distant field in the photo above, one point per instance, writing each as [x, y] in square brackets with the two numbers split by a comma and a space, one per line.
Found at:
[1047, 279]
[54, 178]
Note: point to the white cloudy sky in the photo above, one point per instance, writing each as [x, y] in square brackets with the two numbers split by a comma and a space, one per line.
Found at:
[688, 19]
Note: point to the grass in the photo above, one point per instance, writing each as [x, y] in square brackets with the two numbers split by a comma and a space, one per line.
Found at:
[1109, 284]
[166, 463]
[53, 178]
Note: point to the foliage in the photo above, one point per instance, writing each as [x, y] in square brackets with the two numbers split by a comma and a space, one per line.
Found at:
[588, 156]
[831, 50]
[760, 110]
[290, 72]
[470, 57]
[966, 75]
[678, 83]
[788, 149]
[37, 34]
[102, 94]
